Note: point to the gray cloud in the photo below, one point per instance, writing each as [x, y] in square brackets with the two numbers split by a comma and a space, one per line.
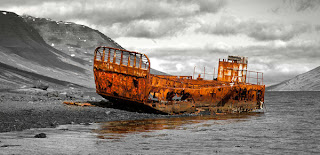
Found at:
[262, 31]
[317, 28]
[270, 31]
[302, 5]
[209, 5]
[277, 62]
[9, 3]
[281, 63]
[182, 61]
[296, 6]
[148, 18]
[188, 53]
[155, 29]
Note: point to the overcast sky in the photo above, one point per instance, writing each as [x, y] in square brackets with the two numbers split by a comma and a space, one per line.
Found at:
[281, 38]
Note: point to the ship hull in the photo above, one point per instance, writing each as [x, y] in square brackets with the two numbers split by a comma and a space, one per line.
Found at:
[133, 84]
[173, 99]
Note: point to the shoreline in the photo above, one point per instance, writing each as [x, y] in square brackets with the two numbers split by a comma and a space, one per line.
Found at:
[45, 109]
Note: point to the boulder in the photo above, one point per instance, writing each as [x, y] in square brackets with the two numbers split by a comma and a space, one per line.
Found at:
[40, 135]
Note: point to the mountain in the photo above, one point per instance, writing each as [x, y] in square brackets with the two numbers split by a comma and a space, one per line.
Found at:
[57, 52]
[20, 40]
[11, 77]
[76, 40]
[44, 48]
[22, 47]
[309, 81]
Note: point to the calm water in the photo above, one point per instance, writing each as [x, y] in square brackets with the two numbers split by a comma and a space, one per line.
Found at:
[290, 125]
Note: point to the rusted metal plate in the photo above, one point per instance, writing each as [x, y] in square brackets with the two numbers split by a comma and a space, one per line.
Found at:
[82, 104]
[125, 75]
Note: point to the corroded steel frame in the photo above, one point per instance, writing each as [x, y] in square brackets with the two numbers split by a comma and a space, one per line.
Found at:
[124, 76]
[119, 78]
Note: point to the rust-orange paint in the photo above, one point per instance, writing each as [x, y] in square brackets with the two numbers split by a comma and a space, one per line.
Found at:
[125, 77]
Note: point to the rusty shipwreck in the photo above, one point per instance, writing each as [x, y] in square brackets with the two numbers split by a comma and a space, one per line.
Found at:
[124, 76]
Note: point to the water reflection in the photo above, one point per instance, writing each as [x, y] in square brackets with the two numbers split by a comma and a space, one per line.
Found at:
[119, 129]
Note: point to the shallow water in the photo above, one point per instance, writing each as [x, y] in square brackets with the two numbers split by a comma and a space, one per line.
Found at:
[289, 125]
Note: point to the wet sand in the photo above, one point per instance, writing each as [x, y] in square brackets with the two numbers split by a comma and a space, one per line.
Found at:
[32, 108]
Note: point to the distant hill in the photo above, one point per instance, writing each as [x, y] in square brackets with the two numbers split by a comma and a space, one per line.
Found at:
[309, 81]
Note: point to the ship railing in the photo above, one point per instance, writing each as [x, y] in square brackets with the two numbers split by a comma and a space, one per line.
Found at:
[246, 76]
[204, 75]
[122, 61]
[254, 77]
[127, 70]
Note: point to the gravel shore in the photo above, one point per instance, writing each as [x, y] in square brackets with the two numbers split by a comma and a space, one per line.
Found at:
[33, 108]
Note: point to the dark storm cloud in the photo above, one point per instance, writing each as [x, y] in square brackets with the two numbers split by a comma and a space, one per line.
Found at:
[262, 31]
[303, 5]
[148, 18]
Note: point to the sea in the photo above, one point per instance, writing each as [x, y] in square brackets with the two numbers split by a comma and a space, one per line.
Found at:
[289, 124]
